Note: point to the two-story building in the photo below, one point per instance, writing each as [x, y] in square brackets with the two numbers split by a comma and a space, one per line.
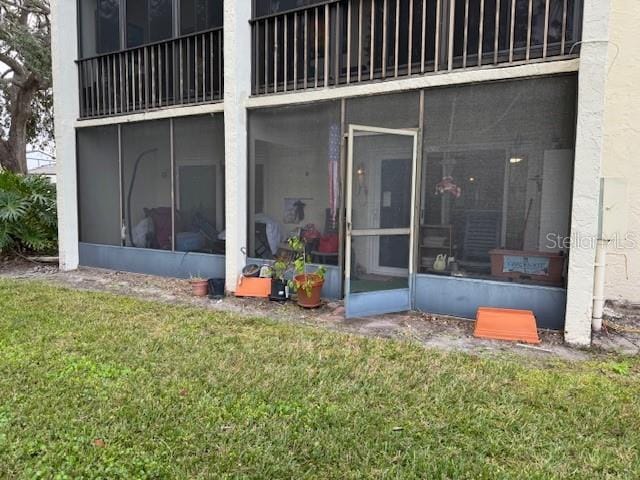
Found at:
[438, 155]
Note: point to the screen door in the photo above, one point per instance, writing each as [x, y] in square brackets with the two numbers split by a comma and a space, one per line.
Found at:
[381, 170]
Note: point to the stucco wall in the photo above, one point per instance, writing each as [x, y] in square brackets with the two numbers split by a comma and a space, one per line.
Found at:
[621, 152]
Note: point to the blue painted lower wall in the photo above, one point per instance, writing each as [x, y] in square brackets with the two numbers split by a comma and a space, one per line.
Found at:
[461, 297]
[454, 296]
[152, 262]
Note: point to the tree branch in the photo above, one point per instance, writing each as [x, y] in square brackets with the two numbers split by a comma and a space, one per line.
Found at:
[12, 63]
[29, 6]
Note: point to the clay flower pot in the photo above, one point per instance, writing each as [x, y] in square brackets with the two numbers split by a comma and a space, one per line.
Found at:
[199, 287]
[309, 287]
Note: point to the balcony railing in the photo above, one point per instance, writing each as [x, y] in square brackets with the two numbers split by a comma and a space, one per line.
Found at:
[180, 71]
[350, 41]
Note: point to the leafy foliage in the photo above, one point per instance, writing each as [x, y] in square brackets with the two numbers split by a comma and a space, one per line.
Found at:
[26, 106]
[28, 219]
[300, 260]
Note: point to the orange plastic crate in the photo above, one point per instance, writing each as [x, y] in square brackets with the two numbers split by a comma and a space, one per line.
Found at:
[253, 287]
[506, 324]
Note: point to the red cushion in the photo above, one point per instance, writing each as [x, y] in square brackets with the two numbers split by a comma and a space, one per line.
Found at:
[161, 218]
[328, 243]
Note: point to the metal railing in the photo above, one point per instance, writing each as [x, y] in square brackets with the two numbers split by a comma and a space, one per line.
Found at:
[185, 70]
[342, 42]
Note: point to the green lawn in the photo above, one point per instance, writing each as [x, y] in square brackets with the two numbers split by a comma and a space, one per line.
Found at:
[100, 386]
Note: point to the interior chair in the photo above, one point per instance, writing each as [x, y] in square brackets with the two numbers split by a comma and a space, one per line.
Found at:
[481, 234]
[262, 249]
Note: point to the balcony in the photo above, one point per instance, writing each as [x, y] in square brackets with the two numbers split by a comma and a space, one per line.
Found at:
[181, 71]
[342, 42]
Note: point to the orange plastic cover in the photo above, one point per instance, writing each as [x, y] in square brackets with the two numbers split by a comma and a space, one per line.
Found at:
[505, 324]
[253, 287]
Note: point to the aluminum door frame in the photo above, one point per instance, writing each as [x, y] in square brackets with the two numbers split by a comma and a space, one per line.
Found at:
[381, 301]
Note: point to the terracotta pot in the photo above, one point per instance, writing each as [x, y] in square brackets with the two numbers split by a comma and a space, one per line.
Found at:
[199, 288]
[311, 299]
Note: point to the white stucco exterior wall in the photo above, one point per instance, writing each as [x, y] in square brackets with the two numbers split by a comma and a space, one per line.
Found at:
[586, 187]
[237, 88]
[64, 47]
[622, 144]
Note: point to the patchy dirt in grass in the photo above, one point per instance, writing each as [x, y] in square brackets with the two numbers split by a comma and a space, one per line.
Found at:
[436, 331]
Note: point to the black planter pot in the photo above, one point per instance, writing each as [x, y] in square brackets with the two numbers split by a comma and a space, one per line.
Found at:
[279, 291]
[216, 288]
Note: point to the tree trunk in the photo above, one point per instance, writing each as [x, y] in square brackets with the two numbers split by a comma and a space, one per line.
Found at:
[13, 150]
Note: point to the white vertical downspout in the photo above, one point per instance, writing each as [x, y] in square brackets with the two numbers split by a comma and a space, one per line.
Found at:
[599, 284]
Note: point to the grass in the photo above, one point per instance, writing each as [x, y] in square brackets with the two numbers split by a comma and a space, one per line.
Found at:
[100, 386]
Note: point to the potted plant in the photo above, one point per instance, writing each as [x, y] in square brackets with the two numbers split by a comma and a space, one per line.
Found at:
[307, 285]
[279, 285]
[199, 286]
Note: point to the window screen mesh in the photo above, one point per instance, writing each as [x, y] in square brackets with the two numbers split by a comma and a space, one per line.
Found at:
[198, 15]
[199, 183]
[295, 155]
[146, 166]
[497, 177]
[399, 110]
[98, 185]
[99, 26]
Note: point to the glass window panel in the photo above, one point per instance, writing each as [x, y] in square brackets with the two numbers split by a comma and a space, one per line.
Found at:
[199, 183]
[197, 15]
[379, 263]
[497, 179]
[146, 166]
[295, 153]
[99, 185]
[99, 26]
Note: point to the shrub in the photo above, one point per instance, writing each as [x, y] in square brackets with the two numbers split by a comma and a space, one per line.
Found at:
[28, 217]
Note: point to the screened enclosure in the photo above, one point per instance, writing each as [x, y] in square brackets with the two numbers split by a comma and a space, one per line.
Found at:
[497, 180]
[199, 184]
[162, 190]
[148, 54]
[146, 174]
[301, 44]
[381, 190]
[110, 25]
[99, 26]
[99, 185]
[294, 161]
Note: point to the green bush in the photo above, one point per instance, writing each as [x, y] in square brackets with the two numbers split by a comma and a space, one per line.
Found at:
[28, 218]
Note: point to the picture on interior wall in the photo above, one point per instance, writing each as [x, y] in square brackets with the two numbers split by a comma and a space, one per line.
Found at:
[294, 210]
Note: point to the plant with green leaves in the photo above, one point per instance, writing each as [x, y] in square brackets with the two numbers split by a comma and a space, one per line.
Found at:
[300, 260]
[28, 215]
[280, 268]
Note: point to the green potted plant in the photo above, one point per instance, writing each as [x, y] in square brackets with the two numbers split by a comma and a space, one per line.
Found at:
[307, 285]
[279, 284]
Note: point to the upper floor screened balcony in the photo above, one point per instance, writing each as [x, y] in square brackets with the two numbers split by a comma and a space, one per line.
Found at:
[302, 44]
[139, 55]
